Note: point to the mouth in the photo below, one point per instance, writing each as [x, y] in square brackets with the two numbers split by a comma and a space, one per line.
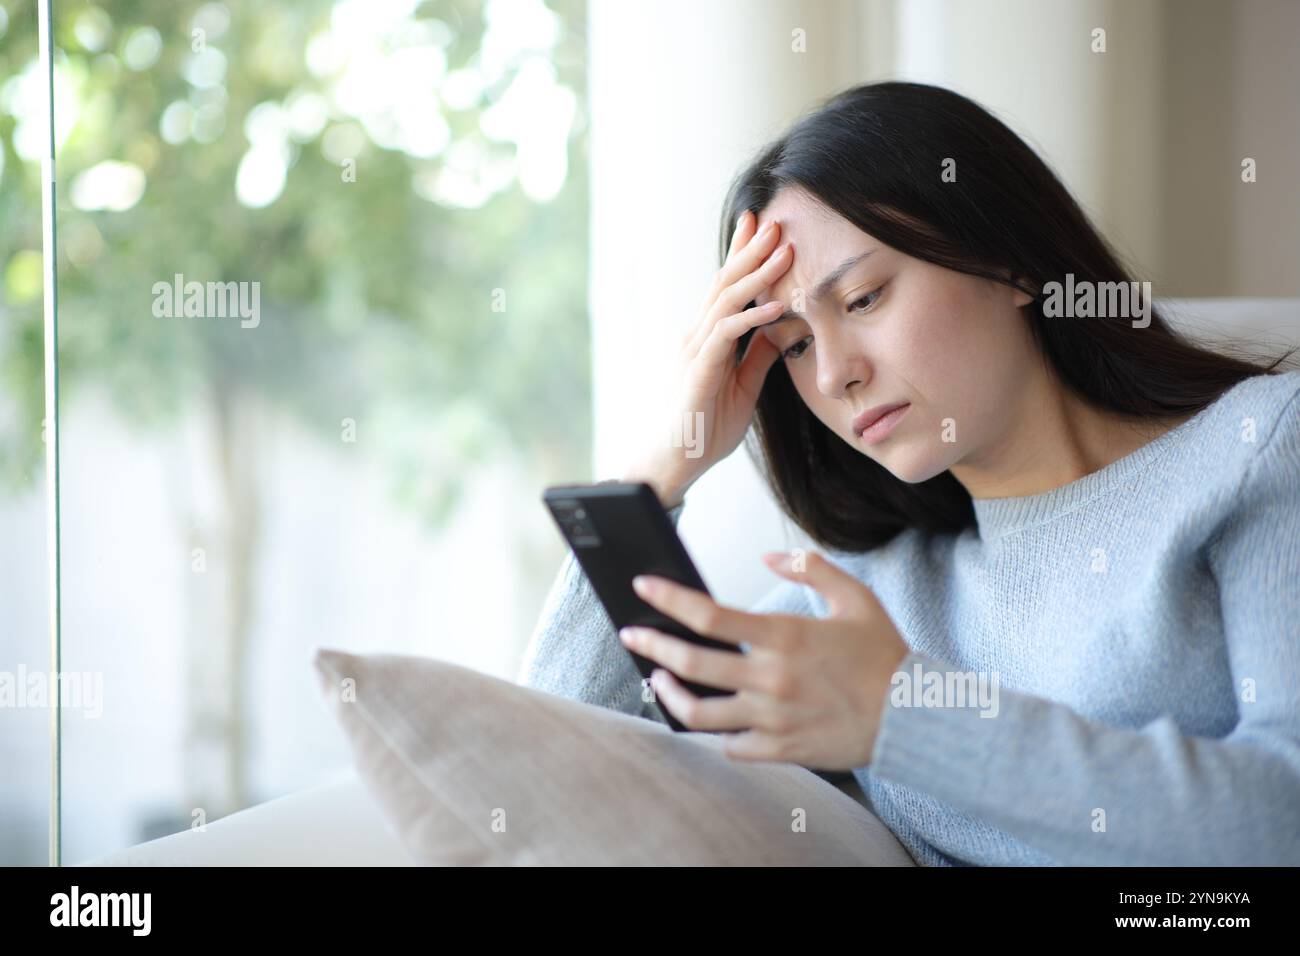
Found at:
[874, 417]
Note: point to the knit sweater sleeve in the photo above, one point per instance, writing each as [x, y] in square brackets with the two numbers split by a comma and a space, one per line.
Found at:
[575, 652]
[1087, 793]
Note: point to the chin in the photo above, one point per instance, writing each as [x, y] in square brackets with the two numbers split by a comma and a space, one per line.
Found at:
[910, 468]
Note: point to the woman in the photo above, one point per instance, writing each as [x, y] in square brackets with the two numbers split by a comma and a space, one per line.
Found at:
[1086, 522]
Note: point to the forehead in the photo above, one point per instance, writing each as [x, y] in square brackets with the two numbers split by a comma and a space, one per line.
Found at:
[822, 239]
[802, 216]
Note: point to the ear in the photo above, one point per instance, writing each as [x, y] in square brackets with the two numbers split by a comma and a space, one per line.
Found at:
[1022, 297]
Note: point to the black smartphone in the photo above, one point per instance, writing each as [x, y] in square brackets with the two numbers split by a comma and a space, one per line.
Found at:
[618, 530]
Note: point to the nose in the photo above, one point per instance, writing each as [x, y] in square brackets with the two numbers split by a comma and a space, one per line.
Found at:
[841, 366]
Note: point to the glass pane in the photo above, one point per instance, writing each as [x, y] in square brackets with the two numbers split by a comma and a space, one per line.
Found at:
[323, 339]
[25, 664]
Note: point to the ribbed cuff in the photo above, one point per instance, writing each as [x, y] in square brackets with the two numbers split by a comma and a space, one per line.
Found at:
[675, 513]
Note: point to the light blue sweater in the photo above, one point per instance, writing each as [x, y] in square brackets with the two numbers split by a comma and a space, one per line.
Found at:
[1143, 623]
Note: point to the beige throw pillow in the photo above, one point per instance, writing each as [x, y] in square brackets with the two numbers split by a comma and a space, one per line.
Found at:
[472, 769]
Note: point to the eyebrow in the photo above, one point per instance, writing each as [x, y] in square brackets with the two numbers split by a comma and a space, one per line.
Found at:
[824, 287]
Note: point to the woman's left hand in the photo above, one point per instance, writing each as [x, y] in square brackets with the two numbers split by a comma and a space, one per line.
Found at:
[808, 690]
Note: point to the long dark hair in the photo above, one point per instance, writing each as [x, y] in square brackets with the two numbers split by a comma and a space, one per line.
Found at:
[873, 154]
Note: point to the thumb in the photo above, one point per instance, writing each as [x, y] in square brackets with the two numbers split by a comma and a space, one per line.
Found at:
[841, 590]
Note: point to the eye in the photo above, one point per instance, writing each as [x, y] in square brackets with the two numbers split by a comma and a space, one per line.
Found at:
[853, 305]
[790, 352]
[870, 299]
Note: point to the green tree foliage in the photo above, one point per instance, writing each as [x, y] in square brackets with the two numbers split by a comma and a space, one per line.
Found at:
[377, 297]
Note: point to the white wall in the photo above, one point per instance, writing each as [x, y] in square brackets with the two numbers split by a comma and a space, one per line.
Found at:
[682, 93]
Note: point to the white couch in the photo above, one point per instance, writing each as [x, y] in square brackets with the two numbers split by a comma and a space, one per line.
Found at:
[337, 823]
[332, 824]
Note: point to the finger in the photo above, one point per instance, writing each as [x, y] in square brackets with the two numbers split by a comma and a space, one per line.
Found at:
[755, 744]
[717, 668]
[740, 293]
[737, 711]
[721, 343]
[730, 271]
[729, 330]
[744, 263]
[745, 224]
[754, 246]
[843, 592]
[760, 356]
[703, 615]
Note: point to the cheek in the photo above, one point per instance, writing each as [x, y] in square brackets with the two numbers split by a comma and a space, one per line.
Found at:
[955, 353]
[952, 344]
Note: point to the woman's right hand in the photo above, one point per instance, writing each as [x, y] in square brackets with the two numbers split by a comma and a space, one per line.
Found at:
[715, 397]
